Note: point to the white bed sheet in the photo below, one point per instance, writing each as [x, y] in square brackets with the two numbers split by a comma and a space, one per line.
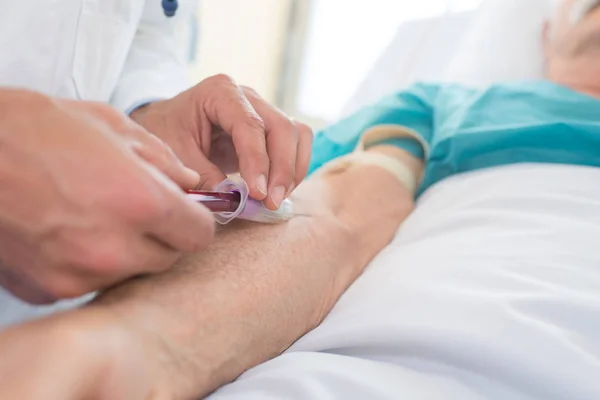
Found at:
[490, 295]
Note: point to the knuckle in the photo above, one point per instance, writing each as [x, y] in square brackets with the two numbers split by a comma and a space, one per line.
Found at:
[250, 92]
[107, 261]
[137, 129]
[106, 111]
[253, 121]
[160, 144]
[222, 79]
[147, 199]
[167, 152]
[304, 129]
[143, 205]
[101, 107]
[132, 128]
[156, 146]
[289, 126]
[99, 259]
[163, 157]
[111, 117]
[257, 160]
[285, 173]
[136, 205]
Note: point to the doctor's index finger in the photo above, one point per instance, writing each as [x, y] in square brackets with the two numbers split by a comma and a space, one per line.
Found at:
[159, 154]
[226, 105]
[146, 145]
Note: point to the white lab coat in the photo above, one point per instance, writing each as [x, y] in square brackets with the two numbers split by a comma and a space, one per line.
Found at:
[123, 52]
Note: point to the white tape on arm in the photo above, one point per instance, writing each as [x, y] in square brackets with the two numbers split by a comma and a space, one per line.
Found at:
[380, 133]
[374, 136]
[390, 164]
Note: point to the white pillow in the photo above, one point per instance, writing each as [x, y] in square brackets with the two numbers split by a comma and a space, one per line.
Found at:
[421, 50]
[504, 44]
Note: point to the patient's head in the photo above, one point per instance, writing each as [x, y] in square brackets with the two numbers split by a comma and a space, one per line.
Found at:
[572, 42]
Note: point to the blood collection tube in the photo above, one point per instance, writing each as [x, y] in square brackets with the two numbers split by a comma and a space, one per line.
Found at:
[217, 201]
[230, 200]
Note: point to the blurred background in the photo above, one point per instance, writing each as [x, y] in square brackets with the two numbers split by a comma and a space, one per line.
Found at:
[309, 57]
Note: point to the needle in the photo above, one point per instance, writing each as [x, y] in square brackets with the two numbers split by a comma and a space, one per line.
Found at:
[301, 215]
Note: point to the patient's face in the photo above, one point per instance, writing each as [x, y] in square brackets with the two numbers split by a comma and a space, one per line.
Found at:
[576, 29]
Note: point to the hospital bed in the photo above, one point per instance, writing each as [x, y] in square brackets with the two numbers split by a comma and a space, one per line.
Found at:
[513, 315]
[423, 324]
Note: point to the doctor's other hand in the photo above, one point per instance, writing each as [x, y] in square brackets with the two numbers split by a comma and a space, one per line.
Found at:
[88, 199]
[218, 127]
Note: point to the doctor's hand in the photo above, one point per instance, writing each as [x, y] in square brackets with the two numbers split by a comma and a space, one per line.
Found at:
[88, 198]
[218, 127]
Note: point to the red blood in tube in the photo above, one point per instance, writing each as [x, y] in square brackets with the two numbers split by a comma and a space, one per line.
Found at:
[217, 201]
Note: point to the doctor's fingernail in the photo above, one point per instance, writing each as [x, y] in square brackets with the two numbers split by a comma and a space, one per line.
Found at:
[277, 195]
[261, 184]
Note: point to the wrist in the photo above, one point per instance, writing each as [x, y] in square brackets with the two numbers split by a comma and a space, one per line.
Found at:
[158, 118]
[152, 115]
[140, 112]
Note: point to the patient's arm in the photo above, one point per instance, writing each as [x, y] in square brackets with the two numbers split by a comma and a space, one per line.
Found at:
[184, 333]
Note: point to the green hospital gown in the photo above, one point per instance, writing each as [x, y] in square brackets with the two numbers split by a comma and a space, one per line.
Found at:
[469, 129]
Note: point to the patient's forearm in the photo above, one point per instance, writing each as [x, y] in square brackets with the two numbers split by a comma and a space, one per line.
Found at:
[261, 287]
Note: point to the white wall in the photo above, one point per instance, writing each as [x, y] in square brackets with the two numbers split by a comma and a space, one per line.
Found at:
[242, 38]
[341, 51]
